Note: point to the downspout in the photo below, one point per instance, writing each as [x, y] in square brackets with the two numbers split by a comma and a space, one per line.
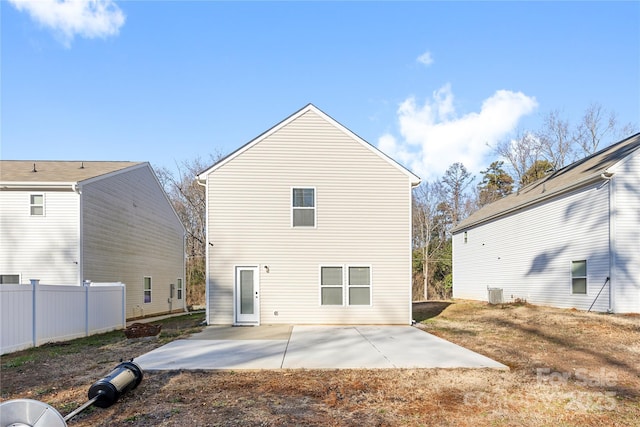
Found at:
[78, 190]
[206, 247]
[607, 176]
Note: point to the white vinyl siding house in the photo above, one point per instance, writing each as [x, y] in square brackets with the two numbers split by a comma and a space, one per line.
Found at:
[30, 244]
[562, 240]
[299, 206]
[131, 232]
[625, 230]
[101, 222]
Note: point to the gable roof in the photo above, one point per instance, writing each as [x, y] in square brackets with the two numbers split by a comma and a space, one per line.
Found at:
[598, 166]
[60, 172]
[415, 180]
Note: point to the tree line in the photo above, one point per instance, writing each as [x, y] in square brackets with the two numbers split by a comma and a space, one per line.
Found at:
[189, 201]
[438, 206]
[441, 204]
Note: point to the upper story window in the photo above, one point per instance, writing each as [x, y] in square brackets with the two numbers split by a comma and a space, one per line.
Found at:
[303, 207]
[36, 203]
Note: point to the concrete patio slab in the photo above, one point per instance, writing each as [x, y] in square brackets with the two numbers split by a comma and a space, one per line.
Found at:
[313, 347]
[331, 347]
[262, 332]
[214, 354]
[413, 348]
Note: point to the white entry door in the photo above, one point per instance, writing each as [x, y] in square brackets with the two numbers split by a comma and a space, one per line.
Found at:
[247, 295]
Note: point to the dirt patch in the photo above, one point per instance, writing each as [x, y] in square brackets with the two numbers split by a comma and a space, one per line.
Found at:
[567, 368]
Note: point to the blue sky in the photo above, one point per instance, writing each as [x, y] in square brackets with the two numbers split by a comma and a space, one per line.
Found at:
[429, 83]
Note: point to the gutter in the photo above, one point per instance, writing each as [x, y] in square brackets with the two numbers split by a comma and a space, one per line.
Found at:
[24, 185]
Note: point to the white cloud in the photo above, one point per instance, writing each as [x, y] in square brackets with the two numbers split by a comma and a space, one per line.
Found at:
[425, 58]
[432, 136]
[68, 18]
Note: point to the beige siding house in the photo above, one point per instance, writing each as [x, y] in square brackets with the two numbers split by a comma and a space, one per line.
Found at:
[308, 224]
[67, 222]
[569, 240]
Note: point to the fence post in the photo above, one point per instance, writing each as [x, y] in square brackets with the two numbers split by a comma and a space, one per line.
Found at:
[124, 306]
[86, 311]
[34, 324]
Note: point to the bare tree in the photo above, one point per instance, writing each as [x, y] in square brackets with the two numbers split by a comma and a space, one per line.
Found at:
[598, 126]
[595, 125]
[556, 141]
[520, 153]
[425, 228]
[189, 201]
[454, 182]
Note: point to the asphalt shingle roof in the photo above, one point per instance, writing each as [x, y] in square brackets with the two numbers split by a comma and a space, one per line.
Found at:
[572, 176]
[57, 171]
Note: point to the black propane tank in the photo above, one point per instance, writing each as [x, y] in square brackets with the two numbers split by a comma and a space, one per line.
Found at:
[124, 377]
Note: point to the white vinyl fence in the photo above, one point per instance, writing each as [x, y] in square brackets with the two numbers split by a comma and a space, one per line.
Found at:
[36, 314]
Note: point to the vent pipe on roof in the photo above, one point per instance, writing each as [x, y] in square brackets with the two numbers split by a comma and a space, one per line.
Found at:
[82, 165]
[34, 168]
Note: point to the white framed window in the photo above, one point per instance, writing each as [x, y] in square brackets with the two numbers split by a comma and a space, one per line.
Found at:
[36, 204]
[331, 285]
[345, 284]
[579, 277]
[359, 285]
[179, 287]
[147, 290]
[9, 279]
[303, 207]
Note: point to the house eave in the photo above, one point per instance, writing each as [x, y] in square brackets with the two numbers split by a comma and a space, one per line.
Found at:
[600, 176]
[30, 185]
[201, 177]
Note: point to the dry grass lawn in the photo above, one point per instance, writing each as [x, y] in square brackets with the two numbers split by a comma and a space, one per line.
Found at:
[568, 368]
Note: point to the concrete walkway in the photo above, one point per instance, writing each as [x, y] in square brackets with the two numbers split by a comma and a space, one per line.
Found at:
[312, 347]
[152, 319]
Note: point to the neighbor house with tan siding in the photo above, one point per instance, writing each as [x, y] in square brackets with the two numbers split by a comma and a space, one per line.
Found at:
[308, 224]
[67, 222]
[571, 239]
